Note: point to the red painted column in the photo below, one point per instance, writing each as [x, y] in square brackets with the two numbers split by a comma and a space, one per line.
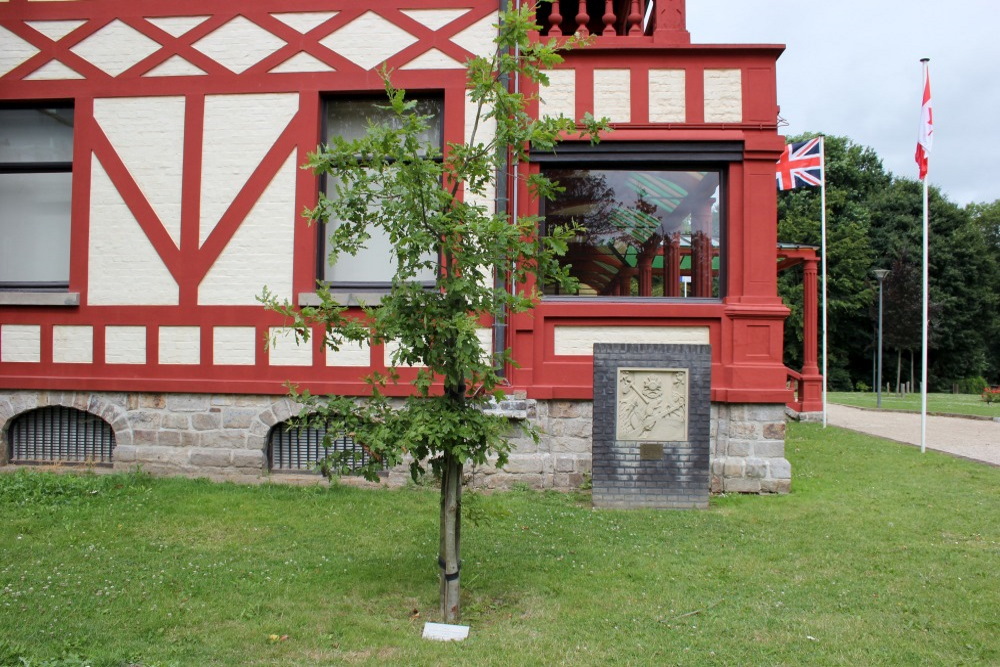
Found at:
[811, 386]
[809, 318]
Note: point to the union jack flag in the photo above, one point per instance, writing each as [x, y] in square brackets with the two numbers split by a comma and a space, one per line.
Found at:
[801, 164]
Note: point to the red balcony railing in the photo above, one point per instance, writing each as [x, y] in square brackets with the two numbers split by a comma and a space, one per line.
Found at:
[610, 18]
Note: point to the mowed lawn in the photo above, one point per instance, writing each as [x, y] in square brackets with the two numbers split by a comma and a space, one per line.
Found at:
[880, 555]
[956, 404]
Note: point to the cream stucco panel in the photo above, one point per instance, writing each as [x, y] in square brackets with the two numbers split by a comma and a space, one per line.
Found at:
[613, 94]
[723, 96]
[559, 97]
[579, 340]
[667, 98]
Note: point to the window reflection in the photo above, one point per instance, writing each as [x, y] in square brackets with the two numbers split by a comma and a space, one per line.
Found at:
[640, 232]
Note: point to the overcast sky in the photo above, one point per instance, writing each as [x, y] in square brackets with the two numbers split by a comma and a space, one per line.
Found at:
[852, 68]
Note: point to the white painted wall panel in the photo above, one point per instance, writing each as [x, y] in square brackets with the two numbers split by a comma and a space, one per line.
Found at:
[239, 130]
[115, 47]
[125, 345]
[368, 40]
[123, 267]
[478, 38]
[20, 343]
[350, 354]
[234, 346]
[148, 135]
[286, 351]
[239, 44]
[261, 251]
[72, 344]
[13, 50]
[180, 345]
[435, 19]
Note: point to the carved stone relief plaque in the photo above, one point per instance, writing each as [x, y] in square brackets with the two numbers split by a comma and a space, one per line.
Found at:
[652, 404]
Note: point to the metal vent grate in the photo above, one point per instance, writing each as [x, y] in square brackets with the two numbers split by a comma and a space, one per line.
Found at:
[300, 448]
[57, 434]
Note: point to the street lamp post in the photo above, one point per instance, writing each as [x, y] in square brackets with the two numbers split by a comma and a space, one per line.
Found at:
[880, 274]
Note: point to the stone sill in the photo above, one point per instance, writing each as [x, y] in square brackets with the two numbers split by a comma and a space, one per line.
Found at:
[39, 298]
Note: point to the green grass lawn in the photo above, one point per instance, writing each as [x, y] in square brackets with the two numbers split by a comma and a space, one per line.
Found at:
[880, 555]
[957, 404]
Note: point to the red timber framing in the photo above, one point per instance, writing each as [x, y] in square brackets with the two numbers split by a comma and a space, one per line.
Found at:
[745, 325]
[181, 54]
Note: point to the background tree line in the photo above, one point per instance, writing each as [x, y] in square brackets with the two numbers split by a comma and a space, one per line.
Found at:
[874, 221]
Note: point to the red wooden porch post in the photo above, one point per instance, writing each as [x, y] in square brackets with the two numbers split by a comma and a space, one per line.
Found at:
[811, 396]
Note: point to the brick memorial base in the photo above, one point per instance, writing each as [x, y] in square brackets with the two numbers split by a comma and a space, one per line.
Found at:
[652, 418]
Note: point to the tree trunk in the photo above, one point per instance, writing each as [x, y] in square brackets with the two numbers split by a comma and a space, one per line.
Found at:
[451, 532]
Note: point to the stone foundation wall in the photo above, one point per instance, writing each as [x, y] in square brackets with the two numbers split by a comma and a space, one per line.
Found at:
[225, 437]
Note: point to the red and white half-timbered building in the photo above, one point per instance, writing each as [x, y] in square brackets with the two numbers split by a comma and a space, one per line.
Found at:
[150, 187]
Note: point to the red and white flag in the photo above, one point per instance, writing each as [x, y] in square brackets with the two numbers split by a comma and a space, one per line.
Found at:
[925, 136]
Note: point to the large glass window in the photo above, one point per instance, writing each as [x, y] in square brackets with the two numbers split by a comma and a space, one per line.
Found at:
[374, 266]
[641, 232]
[36, 161]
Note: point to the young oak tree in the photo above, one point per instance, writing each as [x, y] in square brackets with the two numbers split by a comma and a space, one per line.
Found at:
[426, 204]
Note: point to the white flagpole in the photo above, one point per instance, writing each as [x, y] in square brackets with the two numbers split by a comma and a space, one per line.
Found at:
[822, 199]
[923, 326]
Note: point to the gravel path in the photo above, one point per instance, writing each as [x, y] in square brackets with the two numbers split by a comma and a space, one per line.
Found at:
[976, 439]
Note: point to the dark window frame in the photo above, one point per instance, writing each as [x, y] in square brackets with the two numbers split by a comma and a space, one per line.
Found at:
[715, 157]
[46, 167]
[322, 254]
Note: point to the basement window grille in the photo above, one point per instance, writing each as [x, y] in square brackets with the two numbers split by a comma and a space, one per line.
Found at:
[299, 449]
[58, 434]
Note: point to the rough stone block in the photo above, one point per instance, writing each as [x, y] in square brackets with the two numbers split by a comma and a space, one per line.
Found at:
[249, 460]
[755, 468]
[565, 464]
[733, 468]
[768, 449]
[157, 401]
[774, 431]
[188, 403]
[240, 418]
[775, 485]
[520, 465]
[206, 421]
[741, 485]
[739, 448]
[124, 453]
[210, 457]
[173, 420]
[744, 430]
[779, 469]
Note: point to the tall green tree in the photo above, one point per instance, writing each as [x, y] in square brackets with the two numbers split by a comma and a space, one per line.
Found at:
[390, 181]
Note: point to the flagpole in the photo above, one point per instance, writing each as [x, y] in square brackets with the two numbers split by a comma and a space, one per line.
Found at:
[925, 288]
[822, 199]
